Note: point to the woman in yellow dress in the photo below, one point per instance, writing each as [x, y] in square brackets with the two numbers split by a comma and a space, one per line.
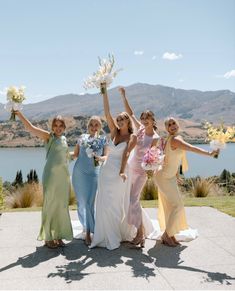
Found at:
[171, 213]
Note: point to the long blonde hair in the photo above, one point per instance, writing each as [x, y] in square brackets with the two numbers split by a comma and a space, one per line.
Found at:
[58, 118]
[167, 121]
[95, 118]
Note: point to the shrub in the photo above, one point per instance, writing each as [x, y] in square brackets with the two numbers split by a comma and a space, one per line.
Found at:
[149, 191]
[28, 195]
[201, 187]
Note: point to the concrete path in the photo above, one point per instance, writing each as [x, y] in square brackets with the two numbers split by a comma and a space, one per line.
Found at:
[205, 263]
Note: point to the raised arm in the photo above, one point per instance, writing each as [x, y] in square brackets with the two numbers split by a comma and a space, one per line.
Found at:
[111, 124]
[131, 144]
[178, 142]
[43, 134]
[128, 108]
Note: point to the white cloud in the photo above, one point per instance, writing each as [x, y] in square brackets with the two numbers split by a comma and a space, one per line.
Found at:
[154, 58]
[181, 80]
[138, 53]
[3, 92]
[229, 74]
[171, 56]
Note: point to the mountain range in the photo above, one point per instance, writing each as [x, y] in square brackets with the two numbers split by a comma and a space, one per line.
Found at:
[192, 105]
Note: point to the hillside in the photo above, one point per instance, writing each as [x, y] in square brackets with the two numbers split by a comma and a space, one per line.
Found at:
[13, 134]
[192, 105]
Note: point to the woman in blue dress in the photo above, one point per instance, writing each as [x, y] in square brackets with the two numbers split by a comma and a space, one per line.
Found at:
[91, 152]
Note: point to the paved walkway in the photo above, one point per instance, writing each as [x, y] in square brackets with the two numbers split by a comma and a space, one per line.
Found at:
[205, 263]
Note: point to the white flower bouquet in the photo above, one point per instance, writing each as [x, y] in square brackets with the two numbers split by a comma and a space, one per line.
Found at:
[105, 74]
[15, 97]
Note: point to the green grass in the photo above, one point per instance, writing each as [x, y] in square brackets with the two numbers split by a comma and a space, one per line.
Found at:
[225, 204]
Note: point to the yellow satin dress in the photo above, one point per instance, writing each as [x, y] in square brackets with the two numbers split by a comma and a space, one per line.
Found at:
[171, 213]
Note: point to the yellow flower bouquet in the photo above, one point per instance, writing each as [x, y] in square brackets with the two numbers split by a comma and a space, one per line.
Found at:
[219, 136]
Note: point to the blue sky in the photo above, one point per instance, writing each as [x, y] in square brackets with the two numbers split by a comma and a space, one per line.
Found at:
[51, 46]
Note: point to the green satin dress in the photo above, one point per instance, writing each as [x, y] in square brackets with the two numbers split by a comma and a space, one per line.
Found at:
[56, 223]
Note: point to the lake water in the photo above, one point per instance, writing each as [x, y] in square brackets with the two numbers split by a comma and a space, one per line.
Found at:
[13, 159]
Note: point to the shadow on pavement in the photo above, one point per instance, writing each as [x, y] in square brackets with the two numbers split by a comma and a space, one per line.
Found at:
[169, 257]
[41, 254]
[83, 257]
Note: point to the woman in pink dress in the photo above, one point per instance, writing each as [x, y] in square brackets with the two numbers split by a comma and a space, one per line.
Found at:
[146, 138]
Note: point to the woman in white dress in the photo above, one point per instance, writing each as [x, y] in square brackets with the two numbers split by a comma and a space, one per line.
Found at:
[112, 201]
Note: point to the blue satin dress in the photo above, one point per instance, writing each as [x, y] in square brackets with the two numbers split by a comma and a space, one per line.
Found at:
[85, 177]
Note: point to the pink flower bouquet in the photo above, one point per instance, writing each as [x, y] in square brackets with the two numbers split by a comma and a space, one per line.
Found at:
[153, 160]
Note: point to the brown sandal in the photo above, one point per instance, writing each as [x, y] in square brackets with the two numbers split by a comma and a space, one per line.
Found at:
[50, 244]
[60, 243]
[166, 240]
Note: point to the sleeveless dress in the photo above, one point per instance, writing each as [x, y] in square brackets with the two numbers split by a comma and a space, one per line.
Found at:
[84, 180]
[112, 202]
[56, 222]
[138, 176]
[171, 213]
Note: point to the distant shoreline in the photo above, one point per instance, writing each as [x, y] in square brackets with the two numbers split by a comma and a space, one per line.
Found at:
[42, 146]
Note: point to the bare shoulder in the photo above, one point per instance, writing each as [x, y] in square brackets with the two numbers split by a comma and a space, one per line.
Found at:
[177, 141]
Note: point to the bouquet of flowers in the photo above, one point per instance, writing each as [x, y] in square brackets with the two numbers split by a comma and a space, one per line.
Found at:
[93, 146]
[104, 74]
[15, 97]
[219, 136]
[153, 160]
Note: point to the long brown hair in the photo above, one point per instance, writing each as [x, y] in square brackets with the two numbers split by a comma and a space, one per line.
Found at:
[125, 115]
[149, 114]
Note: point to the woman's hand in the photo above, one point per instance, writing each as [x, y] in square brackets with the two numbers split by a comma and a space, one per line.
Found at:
[122, 91]
[16, 112]
[180, 180]
[103, 88]
[123, 176]
[99, 158]
[215, 153]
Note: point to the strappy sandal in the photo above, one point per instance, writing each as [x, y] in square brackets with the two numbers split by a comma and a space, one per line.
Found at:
[60, 243]
[166, 240]
[175, 240]
[50, 244]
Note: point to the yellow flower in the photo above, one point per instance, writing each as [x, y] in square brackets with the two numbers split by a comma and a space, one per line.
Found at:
[219, 133]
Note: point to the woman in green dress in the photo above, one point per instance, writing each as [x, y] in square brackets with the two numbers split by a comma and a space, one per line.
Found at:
[56, 223]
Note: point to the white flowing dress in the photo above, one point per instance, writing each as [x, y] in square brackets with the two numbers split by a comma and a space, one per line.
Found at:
[112, 202]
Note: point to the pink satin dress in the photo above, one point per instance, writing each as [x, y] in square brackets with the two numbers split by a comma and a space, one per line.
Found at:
[138, 176]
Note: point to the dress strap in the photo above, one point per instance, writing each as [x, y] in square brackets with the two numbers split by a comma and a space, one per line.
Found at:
[49, 144]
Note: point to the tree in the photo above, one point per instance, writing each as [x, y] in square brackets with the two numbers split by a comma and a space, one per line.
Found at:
[32, 177]
[35, 177]
[225, 176]
[18, 179]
